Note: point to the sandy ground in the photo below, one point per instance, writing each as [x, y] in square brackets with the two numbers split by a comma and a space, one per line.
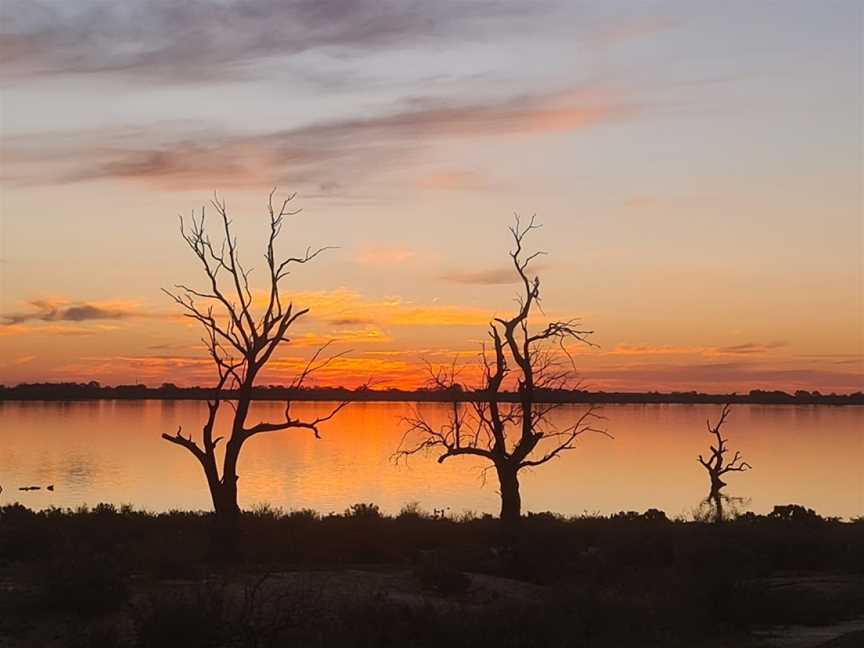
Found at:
[322, 588]
[844, 634]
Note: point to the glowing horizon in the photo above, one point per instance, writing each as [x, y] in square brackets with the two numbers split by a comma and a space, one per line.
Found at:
[701, 201]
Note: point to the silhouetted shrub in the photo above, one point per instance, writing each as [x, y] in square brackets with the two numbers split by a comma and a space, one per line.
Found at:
[411, 510]
[308, 515]
[266, 511]
[654, 515]
[795, 513]
[620, 580]
[363, 511]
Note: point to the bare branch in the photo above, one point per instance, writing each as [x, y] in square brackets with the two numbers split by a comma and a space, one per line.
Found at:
[185, 442]
[295, 423]
[569, 435]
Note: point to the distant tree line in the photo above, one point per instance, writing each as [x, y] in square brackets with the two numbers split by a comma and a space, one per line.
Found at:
[169, 391]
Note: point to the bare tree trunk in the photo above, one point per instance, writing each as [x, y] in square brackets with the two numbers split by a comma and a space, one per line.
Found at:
[511, 501]
[225, 501]
[717, 499]
[226, 539]
[716, 484]
[227, 507]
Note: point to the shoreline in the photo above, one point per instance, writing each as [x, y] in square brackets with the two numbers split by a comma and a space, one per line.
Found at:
[71, 392]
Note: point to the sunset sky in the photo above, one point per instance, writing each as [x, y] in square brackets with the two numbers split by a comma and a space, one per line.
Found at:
[697, 168]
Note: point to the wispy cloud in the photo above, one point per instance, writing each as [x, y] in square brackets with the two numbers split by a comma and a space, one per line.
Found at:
[744, 349]
[493, 276]
[349, 321]
[201, 40]
[483, 277]
[344, 305]
[750, 348]
[454, 180]
[721, 377]
[45, 310]
[635, 28]
[385, 256]
[406, 368]
[353, 337]
[321, 154]
[62, 328]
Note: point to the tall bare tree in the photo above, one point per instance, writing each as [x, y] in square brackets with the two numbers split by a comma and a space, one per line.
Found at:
[240, 339]
[511, 434]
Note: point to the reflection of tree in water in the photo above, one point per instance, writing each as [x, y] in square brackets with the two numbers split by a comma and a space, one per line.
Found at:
[718, 507]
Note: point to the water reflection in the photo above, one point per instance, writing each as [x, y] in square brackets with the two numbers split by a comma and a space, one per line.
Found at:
[111, 451]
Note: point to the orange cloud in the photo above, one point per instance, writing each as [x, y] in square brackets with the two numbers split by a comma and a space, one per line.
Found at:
[56, 329]
[747, 348]
[361, 336]
[347, 371]
[406, 368]
[345, 304]
[643, 350]
[384, 256]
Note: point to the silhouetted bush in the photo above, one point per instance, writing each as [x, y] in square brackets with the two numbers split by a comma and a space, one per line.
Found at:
[411, 510]
[604, 580]
[304, 514]
[795, 514]
[363, 511]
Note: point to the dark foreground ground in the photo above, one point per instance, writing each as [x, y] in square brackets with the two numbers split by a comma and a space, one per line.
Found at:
[107, 577]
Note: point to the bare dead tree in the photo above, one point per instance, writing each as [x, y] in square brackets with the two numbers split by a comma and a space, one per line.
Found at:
[717, 465]
[240, 340]
[510, 435]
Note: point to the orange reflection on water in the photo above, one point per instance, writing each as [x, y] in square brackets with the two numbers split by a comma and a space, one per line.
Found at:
[111, 451]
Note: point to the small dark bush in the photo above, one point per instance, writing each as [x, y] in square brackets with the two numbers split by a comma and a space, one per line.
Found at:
[412, 511]
[795, 513]
[363, 511]
[304, 515]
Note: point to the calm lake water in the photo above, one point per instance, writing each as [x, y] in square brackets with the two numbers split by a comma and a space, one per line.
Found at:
[110, 451]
